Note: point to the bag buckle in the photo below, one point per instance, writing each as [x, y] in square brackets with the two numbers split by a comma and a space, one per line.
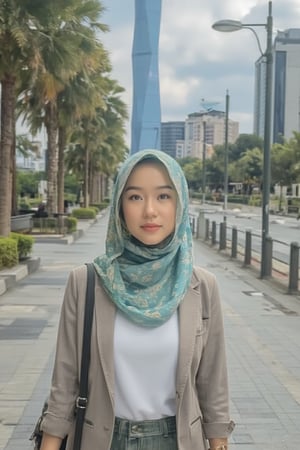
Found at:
[81, 402]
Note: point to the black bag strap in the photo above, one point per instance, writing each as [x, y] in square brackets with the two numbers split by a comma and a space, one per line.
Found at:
[81, 402]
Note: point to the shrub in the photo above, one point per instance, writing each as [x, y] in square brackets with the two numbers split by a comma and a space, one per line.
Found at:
[238, 199]
[24, 205]
[255, 200]
[101, 206]
[24, 244]
[8, 252]
[84, 213]
[96, 208]
[70, 224]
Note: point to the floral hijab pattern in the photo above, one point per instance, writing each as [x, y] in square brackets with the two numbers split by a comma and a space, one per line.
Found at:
[147, 283]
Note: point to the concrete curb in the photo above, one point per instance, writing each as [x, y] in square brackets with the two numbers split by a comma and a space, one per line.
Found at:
[10, 277]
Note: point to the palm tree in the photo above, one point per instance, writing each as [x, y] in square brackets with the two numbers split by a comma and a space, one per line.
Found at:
[80, 98]
[19, 52]
[68, 41]
[99, 144]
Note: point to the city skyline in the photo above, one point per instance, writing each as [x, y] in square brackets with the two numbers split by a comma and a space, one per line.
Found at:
[197, 62]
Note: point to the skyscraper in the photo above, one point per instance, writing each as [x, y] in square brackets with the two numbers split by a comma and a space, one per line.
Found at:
[171, 133]
[286, 91]
[146, 112]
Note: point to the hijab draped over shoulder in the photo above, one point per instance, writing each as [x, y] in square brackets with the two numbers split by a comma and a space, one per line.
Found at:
[147, 283]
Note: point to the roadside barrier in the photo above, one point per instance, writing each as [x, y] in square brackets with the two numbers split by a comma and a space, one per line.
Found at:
[282, 259]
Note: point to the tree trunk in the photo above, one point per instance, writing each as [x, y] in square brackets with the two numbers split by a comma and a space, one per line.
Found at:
[62, 139]
[14, 199]
[91, 180]
[7, 126]
[102, 187]
[52, 157]
[280, 197]
[95, 196]
[86, 177]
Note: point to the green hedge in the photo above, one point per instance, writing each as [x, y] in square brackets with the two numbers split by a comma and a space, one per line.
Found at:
[8, 252]
[24, 244]
[255, 200]
[70, 224]
[101, 205]
[84, 213]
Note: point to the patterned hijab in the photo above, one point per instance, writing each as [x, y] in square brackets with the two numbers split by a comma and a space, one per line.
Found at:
[147, 283]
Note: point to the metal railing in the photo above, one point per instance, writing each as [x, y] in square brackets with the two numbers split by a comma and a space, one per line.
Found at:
[50, 225]
[282, 259]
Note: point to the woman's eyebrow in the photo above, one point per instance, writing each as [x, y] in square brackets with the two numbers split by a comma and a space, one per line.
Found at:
[139, 188]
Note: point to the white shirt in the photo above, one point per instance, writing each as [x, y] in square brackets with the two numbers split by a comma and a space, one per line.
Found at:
[145, 369]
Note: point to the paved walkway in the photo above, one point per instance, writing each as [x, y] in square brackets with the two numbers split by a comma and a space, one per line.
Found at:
[263, 341]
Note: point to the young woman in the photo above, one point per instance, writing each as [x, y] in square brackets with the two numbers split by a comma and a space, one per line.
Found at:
[158, 377]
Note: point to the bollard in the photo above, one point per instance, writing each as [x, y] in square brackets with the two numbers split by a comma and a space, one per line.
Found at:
[214, 233]
[200, 234]
[269, 256]
[193, 224]
[247, 256]
[294, 267]
[222, 241]
[234, 242]
[206, 229]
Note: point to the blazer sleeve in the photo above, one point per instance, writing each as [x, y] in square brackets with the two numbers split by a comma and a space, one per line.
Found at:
[212, 378]
[64, 387]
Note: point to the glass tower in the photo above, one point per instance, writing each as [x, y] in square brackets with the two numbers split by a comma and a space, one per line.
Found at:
[146, 113]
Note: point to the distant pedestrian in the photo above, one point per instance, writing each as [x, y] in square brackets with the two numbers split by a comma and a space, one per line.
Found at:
[41, 211]
[158, 376]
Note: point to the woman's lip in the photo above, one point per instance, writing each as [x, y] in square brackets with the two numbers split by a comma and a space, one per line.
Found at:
[150, 226]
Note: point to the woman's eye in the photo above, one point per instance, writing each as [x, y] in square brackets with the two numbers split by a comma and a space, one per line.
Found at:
[134, 197]
[164, 196]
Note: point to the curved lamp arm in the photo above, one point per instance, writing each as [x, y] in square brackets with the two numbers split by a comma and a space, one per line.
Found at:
[257, 39]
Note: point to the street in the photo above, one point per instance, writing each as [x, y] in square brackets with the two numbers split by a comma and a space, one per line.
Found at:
[262, 335]
[282, 229]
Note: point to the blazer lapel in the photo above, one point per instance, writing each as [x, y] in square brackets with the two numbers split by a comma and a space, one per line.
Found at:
[189, 311]
[105, 312]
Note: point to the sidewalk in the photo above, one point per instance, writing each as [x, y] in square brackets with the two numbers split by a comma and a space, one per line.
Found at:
[263, 346]
[10, 277]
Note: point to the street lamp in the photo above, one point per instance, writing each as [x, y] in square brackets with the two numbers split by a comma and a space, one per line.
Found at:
[204, 163]
[235, 25]
[226, 153]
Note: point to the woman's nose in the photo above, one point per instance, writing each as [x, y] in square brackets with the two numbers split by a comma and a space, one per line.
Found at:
[149, 209]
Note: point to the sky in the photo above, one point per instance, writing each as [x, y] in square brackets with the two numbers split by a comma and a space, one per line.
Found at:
[197, 62]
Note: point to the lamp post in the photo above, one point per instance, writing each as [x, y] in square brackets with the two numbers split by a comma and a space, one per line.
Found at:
[235, 25]
[226, 153]
[204, 163]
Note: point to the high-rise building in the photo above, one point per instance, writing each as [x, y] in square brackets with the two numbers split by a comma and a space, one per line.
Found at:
[286, 87]
[171, 133]
[207, 128]
[146, 112]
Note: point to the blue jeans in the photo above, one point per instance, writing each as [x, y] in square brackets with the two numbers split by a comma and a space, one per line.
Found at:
[145, 435]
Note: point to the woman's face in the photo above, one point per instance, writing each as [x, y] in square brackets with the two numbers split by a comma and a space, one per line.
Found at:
[149, 203]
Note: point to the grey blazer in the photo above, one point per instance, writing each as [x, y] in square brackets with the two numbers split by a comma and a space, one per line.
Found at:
[201, 378]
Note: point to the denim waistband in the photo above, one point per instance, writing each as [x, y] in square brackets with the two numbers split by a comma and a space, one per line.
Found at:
[159, 427]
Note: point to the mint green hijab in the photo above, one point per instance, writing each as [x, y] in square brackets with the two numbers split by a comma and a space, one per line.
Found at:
[147, 283]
